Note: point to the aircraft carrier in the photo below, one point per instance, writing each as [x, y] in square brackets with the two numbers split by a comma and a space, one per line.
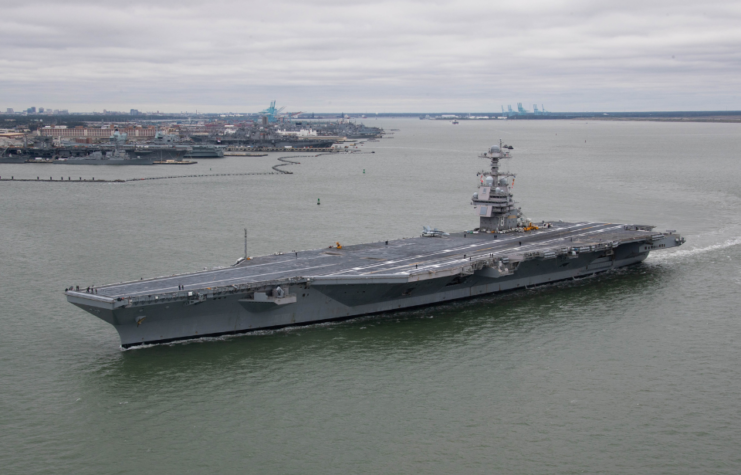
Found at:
[505, 252]
[162, 147]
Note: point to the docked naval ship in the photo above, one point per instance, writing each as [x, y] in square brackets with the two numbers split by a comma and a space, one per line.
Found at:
[110, 157]
[162, 147]
[117, 151]
[39, 147]
[205, 151]
[505, 252]
[13, 156]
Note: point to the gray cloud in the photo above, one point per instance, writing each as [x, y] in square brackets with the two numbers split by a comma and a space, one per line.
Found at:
[370, 56]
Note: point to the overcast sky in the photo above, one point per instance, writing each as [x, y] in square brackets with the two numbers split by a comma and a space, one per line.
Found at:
[370, 56]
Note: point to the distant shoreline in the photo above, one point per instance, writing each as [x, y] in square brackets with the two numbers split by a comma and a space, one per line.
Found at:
[711, 119]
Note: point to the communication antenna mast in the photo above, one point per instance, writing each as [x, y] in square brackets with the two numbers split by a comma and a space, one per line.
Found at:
[245, 243]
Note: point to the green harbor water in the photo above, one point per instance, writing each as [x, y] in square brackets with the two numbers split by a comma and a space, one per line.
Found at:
[638, 371]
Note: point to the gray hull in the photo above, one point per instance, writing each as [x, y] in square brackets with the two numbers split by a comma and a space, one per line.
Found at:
[130, 161]
[158, 153]
[205, 151]
[17, 159]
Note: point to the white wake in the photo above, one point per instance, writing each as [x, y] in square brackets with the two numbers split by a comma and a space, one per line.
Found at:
[685, 253]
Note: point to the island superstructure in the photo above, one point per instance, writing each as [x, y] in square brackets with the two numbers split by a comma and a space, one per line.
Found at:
[505, 252]
[494, 200]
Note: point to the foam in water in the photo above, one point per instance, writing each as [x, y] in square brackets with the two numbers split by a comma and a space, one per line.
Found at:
[684, 253]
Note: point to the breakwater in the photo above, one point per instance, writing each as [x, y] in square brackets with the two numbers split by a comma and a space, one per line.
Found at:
[277, 171]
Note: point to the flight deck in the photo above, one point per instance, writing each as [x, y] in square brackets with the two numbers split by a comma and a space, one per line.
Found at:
[402, 257]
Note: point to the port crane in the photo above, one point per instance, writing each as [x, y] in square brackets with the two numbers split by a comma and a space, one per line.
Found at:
[274, 114]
